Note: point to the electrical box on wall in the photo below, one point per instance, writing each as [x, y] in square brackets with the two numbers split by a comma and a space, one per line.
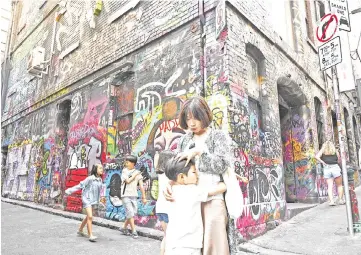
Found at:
[35, 64]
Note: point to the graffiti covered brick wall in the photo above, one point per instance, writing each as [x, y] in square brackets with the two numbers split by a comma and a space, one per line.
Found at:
[145, 117]
[87, 137]
[115, 86]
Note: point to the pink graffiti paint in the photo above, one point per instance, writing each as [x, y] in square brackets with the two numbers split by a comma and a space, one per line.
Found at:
[224, 34]
[95, 110]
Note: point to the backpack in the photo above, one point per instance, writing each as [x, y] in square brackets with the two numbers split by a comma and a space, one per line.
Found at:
[144, 173]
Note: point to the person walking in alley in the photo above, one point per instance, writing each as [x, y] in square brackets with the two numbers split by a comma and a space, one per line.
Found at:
[130, 180]
[329, 157]
[90, 187]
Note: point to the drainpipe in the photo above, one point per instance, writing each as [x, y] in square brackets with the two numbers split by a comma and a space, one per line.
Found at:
[203, 42]
[6, 69]
[293, 155]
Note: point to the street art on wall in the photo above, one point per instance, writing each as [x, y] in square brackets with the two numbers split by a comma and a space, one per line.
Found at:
[138, 114]
[86, 147]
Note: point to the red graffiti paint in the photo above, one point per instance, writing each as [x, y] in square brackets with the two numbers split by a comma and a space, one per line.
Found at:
[84, 131]
[264, 161]
[74, 177]
[237, 89]
[223, 35]
[354, 204]
[169, 125]
[222, 77]
[125, 98]
[125, 123]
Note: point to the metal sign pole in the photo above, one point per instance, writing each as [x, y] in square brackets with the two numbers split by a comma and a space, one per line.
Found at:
[342, 150]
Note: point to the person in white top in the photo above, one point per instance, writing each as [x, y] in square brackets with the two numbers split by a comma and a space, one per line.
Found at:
[130, 180]
[162, 205]
[185, 227]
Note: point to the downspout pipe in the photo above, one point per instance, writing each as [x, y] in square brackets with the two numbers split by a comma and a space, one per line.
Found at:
[202, 21]
[6, 68]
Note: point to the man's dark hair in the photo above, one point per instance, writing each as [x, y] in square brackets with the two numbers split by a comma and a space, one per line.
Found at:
[131, 158]
[199, 109]
[164, 157]
[173, 168]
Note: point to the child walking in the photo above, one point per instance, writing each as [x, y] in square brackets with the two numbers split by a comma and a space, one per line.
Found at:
[185, 227]
[130, 180]
[162, 205]
[90, 187]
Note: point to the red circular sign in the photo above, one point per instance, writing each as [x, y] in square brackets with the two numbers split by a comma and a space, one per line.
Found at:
[327, 19]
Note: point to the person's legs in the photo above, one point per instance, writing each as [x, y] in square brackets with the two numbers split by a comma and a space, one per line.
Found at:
[124, 230]
[89, 213]
[339, 186]
[132, 212]
[132, 225]
[163, 219]
[82, 225]
[215, 239]
[330, 190]
[162, 245]
[126, 223]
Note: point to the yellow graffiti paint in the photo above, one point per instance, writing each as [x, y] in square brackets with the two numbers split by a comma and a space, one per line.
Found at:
[155, 189]
[44, 169]
[50, 98]
[111, 140]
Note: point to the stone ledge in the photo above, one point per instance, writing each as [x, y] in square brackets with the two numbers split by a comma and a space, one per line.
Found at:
[142, 231]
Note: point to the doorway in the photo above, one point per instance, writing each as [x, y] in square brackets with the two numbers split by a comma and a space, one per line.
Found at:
[59, 173]
[334, 128]
[287, 150]
[4, 156]
[293, 113]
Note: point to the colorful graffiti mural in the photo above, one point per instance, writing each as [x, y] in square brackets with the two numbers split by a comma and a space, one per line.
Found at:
[86, 147]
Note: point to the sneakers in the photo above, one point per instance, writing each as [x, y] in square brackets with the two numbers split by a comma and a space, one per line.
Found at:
[135, 235]
[125, 231]
[332, 203]
[81, 233]
[341, 202]
[93, 238]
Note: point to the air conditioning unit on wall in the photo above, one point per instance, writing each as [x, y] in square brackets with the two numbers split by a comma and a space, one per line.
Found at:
[35, 64]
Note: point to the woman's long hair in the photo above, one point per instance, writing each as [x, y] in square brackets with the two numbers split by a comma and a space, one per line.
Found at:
[329, 148]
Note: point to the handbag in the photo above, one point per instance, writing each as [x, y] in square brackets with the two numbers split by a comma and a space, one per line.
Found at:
[233, 196]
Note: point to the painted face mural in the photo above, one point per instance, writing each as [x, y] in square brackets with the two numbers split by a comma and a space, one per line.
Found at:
[167, 136]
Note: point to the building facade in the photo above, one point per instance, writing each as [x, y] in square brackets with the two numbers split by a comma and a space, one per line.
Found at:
[92, 81]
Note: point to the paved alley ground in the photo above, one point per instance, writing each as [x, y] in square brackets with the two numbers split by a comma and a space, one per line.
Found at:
[27, 231]
[321, 230]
